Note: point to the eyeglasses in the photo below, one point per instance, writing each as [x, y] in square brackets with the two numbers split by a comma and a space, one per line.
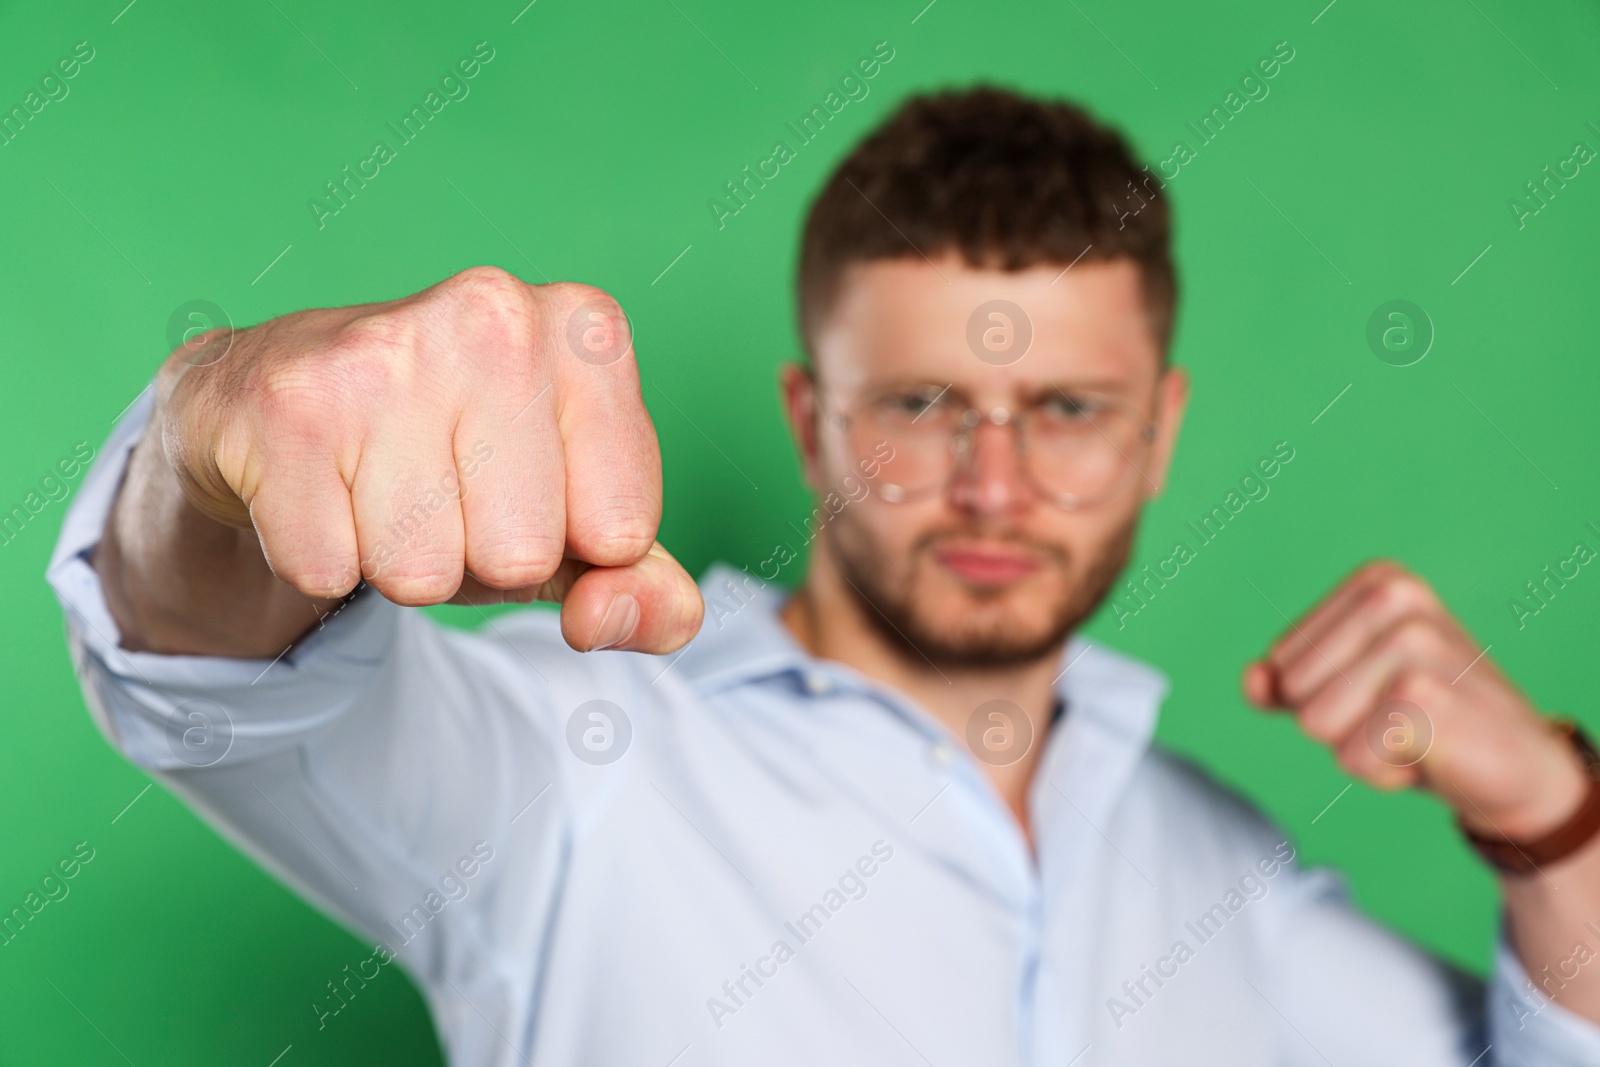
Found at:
[1075, 450]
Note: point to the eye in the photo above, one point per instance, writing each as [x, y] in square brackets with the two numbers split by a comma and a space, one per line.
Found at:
[916, 405]
[910, 403]
[1066, 408]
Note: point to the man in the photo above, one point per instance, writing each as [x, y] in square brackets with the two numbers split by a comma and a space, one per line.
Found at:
[900, 816]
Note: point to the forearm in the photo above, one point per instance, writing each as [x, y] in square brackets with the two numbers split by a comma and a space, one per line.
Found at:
[180, 583]
[1553, 919]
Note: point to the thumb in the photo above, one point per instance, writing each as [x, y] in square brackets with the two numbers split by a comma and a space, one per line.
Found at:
[651, 605]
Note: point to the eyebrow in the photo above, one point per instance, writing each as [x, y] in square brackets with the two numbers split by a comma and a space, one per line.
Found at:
[1028, 393]
[1091, 385]
[1101, 385]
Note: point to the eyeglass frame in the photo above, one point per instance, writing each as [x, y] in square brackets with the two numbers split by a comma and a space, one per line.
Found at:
[972, 418]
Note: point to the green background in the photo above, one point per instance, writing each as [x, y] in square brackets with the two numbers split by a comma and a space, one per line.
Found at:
[1379, 166]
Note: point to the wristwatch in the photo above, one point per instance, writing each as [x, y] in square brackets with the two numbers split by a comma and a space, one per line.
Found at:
[1526, 857]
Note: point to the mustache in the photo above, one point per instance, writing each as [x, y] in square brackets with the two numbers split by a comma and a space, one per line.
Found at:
[1050, 551]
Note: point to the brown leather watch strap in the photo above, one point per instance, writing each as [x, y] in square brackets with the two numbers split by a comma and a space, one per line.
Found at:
[1526, 857]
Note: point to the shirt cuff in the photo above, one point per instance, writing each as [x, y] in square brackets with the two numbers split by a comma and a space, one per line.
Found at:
[176, 711]
[1527, 1028]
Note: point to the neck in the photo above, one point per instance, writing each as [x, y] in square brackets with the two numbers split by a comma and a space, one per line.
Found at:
[826, 616]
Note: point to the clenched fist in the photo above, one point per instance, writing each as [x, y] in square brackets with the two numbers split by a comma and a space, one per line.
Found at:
[480, 441]
[1383, 674]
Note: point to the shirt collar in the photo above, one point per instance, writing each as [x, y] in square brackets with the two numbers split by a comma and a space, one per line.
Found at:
[742, 640]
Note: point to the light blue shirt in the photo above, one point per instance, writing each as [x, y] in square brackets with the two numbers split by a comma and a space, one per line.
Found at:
[753, 856]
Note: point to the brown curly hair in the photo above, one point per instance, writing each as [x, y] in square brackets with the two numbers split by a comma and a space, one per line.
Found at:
[1006, 181]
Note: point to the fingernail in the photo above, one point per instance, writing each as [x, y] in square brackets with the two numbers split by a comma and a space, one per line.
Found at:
[618, 623]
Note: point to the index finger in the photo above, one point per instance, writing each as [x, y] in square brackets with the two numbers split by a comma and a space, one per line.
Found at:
[1261, 678]
[613, 460]
[1303, 634]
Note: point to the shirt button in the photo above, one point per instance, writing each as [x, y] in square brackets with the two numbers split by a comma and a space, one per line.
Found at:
[817, 683]
[941, 754]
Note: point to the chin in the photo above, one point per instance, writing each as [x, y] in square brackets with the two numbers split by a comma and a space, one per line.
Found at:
[956, 622]
[933, 616]
[1005, 644]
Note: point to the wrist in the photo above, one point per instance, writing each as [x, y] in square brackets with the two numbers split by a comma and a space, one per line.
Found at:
[1557, 821]
[1557, 782]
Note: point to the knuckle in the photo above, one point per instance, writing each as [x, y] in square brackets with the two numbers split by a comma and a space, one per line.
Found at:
[588, 323]
[322, 578]
[486, 283]
[567, 297]
[519, 561]
[295, 395]
[488, 290]
[1385, 595]
[362, 360]
[418, 578]
[1417, 685]
[612, 548]
[1398, 588]
[1413, 591]
[495, 308]
[369, 356]
[1380, 596]
[614, 534]
[380, 339]
[1411, 636]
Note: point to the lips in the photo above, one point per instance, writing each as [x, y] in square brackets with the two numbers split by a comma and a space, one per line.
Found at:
[986, 565]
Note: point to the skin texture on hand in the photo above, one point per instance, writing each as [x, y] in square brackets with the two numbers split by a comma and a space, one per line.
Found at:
[483, 440]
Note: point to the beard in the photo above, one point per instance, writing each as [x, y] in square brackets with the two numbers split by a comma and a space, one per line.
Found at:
[885, 585]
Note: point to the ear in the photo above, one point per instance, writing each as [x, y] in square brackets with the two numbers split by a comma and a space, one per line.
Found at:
[800, 402]
[1172, 399]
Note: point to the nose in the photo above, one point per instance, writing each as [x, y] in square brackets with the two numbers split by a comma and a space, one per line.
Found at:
[989, 479]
